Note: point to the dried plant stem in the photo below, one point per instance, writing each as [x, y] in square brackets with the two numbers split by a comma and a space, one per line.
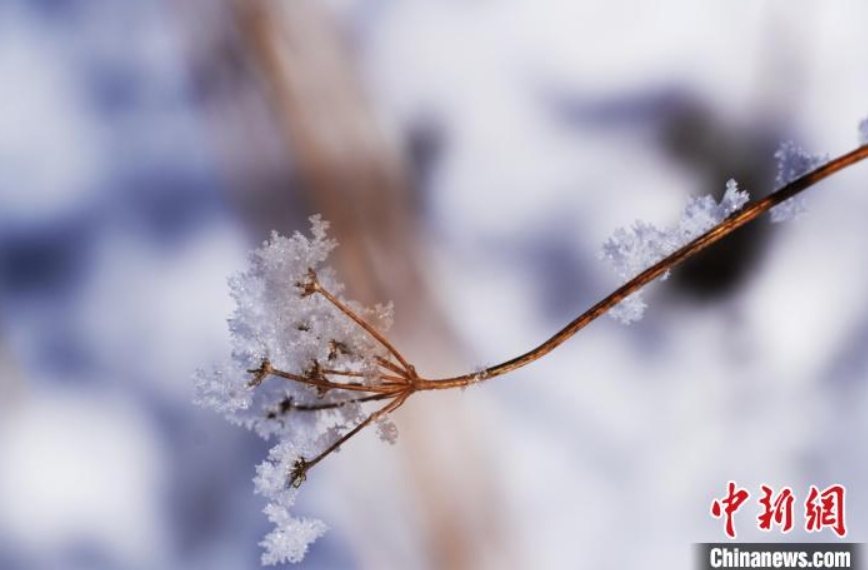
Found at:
[335, 405]
[399, 388]
[390, 366]
[715, 234]
[359, 321]
[299, 474]
[267, 370]
[386, 377]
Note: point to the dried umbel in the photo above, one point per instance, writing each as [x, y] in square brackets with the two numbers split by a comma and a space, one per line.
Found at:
[311, 369]
[306, 367]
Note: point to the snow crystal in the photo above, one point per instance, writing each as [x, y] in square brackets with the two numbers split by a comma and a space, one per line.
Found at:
[793, 162]
[222, 389]
[387, 430]
[291, 536]
[630, 310]
[634, 249]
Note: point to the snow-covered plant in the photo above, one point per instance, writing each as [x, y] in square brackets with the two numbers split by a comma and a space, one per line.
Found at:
[310, 369]
[292, 336]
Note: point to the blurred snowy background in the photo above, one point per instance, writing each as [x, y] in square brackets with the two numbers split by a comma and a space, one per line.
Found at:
[472, 157]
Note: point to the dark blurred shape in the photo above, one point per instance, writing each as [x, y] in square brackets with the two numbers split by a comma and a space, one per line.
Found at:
[692, 134]
[169, 203]
[46, 262]
[425, 142]
[632, 110]
[559, 269]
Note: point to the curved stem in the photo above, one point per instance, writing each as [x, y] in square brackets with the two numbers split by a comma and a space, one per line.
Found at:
[715, 234]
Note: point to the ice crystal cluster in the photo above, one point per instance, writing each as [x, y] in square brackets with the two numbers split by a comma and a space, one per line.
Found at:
[276, 320]
[793, 162]
[633, 249]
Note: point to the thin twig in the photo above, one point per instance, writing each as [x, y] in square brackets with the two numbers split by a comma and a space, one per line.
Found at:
[331, 385]
[390, 366]
[327, 372]
[717, 233]
[334, 405]
[302, 466]
[358, 320]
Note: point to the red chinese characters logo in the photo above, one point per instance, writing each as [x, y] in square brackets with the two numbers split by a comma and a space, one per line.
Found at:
[823, 509]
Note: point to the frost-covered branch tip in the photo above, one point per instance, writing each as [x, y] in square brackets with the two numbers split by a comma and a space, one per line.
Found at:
[308, 369]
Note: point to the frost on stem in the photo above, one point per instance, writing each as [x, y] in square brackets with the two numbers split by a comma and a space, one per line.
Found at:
[632, 250]
[793, 162]
[479, 374]
[299, 372]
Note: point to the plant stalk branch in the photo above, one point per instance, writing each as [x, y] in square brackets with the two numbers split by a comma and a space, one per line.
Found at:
[734, 222]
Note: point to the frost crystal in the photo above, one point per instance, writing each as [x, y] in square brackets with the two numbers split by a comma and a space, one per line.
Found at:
[387, 430]
[289, 539]
[278, 321]
[863, 132]
[793, 162]
[634, 249]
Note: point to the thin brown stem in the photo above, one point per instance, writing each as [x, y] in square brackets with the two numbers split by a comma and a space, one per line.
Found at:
[359, 321]
[343, 373]
[390, 366]
[717, 233]
[302, 466]
[335, 405]
[327, 385]
[328, 372]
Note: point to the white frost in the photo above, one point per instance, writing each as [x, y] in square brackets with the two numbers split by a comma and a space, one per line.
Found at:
[387, 430]
[289, 540]
[634, 249]
[793, 162]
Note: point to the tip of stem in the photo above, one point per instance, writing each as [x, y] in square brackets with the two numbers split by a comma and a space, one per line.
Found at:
[309, 285]
[298, 475]
[260, 374]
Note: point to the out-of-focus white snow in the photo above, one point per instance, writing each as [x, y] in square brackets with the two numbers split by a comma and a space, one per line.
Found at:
[82, 469]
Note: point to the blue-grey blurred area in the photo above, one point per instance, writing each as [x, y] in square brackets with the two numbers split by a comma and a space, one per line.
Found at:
[472, 157]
